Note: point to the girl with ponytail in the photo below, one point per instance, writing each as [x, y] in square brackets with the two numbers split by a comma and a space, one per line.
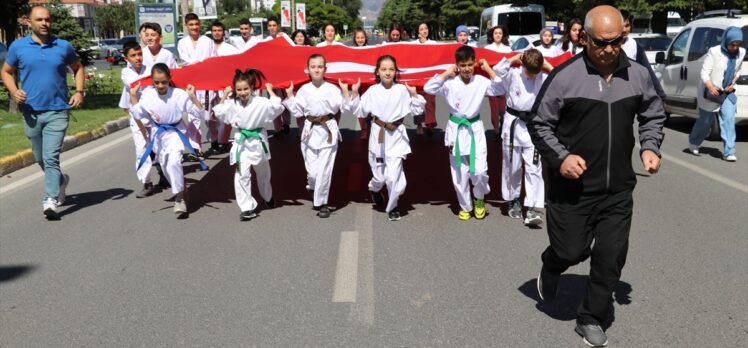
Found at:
[248, 113]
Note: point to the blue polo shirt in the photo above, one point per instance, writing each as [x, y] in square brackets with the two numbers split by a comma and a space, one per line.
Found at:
[43, 70]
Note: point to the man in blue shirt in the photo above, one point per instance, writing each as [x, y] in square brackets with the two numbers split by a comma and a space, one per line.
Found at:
[42, 62]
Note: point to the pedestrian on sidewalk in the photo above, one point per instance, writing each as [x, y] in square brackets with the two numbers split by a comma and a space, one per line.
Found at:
[42, 61]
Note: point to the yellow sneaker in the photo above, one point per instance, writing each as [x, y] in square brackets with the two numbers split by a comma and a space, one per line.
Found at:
[480, 208]
[463, 215]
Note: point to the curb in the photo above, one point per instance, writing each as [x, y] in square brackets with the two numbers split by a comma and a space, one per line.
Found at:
[25, 158]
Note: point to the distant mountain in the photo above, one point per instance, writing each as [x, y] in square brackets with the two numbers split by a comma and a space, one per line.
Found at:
[370, 9]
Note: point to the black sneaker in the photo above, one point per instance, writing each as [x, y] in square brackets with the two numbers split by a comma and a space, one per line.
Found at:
[377, 198]
[212, 151]
[224, 148]
[547, 285]
[270, 204]
[393, 215]
[147, 191]
[247, 215]
[324, 212]
[592, 335]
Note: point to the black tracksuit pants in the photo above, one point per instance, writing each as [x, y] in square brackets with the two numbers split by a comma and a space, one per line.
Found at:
[572, 226]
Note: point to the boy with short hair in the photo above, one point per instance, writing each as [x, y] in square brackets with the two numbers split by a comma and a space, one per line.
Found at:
[247, 40]
[153, 52]
[464, 135]
[521, 86]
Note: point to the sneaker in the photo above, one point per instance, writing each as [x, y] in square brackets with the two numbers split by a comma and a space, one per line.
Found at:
[64, 180]
[224, 148]
[533, 218]
[377, 198]
[180, 208]
[592, 335]
[270, 204]
[393, 215]
[547, 285]
[147, 191]
[730, 158]
[212, 151]
[324, 212]
[49, 207]
[480, 208]
[693, 149]
[247, 215]
[310, 190]
[463, 215]
[515, 210]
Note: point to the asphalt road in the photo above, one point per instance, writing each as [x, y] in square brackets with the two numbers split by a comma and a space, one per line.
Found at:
[120, 271]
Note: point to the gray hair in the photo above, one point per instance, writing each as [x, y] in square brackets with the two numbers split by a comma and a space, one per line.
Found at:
[588, 21]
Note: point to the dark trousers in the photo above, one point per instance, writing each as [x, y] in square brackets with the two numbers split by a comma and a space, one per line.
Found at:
[572, 227]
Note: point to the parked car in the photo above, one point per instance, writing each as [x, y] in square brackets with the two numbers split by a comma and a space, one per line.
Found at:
[107, 47]
[680, 67]
[674, 23]
[652, 44]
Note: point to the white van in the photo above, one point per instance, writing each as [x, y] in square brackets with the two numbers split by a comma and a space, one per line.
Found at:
[519, 19]
[680, 67]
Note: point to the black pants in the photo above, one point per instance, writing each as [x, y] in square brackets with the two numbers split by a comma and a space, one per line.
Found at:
[572, 226]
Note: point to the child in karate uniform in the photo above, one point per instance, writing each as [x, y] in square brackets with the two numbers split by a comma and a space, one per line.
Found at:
[464, 134]
[388, 102]
[163, 106]
[521, 86]
[248, 114]
[317, 102]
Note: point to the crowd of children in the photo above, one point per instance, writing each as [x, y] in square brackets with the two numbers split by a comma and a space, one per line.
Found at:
[239, 112]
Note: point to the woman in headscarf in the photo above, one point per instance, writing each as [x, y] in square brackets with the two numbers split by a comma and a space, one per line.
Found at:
[716, 93]
[546, 47]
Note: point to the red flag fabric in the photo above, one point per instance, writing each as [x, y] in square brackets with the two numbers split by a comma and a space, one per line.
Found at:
[281, 63]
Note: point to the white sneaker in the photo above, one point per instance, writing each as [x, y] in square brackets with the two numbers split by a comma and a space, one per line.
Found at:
[180, 208]
[63, 185]
[49, 207]
[731, 158]
[693, 149]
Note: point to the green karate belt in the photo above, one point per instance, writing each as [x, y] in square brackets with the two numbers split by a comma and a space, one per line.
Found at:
[465, 122]
[249, 133]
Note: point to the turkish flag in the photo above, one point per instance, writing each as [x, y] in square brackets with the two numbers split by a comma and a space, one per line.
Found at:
[281, 62]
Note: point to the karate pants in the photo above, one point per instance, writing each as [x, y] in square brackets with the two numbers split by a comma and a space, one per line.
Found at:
[140, 144]
[511, 170]
[319, 164]
[243, 182]
[461, 178]
[390, 173]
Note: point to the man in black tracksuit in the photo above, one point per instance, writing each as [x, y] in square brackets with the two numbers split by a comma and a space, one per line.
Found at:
[583, 129]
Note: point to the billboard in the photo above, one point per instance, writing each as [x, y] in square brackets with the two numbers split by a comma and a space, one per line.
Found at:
[301, 16]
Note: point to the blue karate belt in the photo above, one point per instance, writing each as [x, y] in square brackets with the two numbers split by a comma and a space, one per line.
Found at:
[185, 141]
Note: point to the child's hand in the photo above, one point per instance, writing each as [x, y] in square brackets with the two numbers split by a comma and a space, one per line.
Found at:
[484, 64]
[134, 90]
[191, 91]
[547, 66]
[411, 89]
[269, 86]
[356, 86]
[227, 90]
[289, 90]
[516, 58]
[343, 85]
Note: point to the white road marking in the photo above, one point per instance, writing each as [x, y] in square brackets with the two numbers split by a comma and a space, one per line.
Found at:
[66, 163]
[346, 273]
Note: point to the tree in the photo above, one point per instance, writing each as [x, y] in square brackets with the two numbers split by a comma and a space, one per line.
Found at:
[352, 7]
[66, 27]
[10, 10]
[114, 18]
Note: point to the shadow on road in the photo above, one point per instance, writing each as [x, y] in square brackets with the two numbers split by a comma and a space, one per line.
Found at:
[11, 273]
[426, 169]
[78, 201]
[571, 290]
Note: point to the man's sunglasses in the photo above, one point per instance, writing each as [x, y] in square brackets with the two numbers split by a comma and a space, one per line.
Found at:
[604, 43]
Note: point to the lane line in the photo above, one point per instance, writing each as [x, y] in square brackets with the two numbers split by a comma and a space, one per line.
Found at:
[363, 310]
[346, 272]
[5, 189]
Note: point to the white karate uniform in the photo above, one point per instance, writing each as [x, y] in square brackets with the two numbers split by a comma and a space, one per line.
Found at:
[252, 152]
[281, 34]
[242, 45]
[163, 56]
[319, 153]
[386, 159]
[129, 75]
[464, 101]
[224, 49]
[191, 54]
[500, 48]
[520, 95]
[334, 43]
[168, 146]
[572, 48]
[550, 51]
[428, 41]
[630, 48]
